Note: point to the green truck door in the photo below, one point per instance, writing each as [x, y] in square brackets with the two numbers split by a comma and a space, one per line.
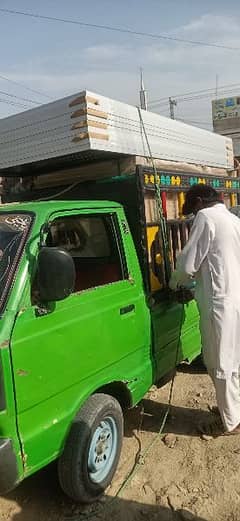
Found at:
[166, 328]
[99, 334]
[174, 326]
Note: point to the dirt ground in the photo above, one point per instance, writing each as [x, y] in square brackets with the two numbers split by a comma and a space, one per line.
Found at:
[188, 478]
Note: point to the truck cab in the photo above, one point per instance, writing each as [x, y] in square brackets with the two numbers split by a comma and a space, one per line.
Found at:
[81, 340]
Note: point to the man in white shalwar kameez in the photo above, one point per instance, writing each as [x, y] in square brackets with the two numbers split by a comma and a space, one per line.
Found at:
[211, 257]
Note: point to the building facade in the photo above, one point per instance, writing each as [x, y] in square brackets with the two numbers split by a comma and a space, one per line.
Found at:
[226, 120]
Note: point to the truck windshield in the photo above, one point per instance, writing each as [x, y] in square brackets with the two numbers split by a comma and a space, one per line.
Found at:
[13, 232]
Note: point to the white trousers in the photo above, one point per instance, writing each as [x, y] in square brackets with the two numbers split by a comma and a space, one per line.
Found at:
[228, 400]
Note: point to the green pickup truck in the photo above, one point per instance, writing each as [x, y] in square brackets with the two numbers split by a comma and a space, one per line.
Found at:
[83, 337]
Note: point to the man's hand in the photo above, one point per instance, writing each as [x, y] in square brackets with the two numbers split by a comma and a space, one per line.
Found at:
[183, 296]
[173, 283]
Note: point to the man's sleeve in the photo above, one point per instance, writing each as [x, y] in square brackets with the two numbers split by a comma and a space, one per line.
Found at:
[195, 251]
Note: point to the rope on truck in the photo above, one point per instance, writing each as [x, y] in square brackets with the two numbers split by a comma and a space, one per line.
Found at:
[162, 219]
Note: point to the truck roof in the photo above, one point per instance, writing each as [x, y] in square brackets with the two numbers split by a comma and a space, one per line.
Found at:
[51, 205]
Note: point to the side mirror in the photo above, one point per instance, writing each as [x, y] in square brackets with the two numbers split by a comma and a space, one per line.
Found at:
[56, 274]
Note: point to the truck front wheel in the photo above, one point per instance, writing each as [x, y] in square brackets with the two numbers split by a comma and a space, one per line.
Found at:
[92, 450]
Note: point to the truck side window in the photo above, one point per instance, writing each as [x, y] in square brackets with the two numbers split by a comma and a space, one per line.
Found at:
[93, 244]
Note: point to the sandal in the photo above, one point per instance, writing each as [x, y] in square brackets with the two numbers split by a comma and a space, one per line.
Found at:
[213, 429]
[214, 409]
[234, 432]
[216, 429]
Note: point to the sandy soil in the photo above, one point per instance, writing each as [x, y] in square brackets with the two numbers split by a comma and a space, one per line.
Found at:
[186, 478]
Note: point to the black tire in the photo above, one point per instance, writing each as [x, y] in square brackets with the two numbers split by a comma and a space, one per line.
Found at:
[75, 476]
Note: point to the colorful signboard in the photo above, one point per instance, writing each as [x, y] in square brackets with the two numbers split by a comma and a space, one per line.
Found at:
[226, 108]
[180, 181]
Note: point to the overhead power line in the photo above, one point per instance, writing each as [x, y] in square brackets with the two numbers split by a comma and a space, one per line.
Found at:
[13, 103]
[190, 99]
[210, 90]
[213, 89]
[117, 29]
[195, 122]
[19, 84]
[18, 97]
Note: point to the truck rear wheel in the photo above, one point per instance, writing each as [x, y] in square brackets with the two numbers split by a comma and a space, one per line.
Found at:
[91, 454]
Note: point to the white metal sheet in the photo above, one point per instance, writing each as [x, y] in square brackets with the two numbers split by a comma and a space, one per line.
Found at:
[87, 121]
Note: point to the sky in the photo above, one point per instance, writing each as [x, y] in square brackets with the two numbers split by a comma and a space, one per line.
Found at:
[59, 59]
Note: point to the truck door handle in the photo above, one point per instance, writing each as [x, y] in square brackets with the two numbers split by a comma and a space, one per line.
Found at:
[127, 309]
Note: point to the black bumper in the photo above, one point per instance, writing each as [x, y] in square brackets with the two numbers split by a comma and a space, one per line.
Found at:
[8, 466]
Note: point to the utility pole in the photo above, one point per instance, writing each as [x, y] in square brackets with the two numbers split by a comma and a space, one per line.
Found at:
[216, 95]
[172, 104]
[143, 93]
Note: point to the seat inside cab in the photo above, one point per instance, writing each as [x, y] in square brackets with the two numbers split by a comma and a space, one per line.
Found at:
[88, 240]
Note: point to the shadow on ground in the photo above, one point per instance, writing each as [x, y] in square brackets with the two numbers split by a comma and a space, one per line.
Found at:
[40, 499]
[181, 420]
[196, 367]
